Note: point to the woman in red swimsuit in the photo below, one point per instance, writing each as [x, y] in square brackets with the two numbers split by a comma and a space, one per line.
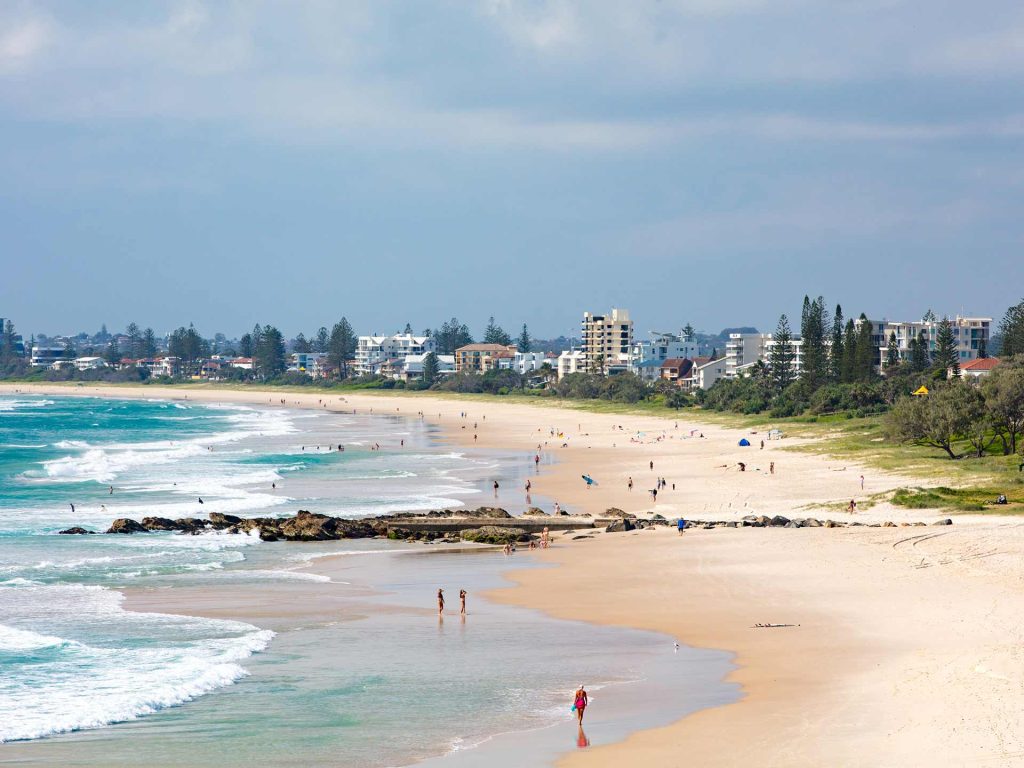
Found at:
[580, 701]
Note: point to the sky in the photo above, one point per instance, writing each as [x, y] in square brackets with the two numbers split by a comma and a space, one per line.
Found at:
[701, 161]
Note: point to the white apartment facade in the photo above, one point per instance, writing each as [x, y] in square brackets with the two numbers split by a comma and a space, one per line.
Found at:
[969, 333]
[744, 349]
[371, 351]
[661, 347]
[570, 361]
[606, 342]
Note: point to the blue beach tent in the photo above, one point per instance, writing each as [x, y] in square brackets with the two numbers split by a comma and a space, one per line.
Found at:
[744, 442]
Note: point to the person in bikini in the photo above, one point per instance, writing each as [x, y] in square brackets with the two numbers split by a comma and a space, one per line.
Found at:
[580, 702]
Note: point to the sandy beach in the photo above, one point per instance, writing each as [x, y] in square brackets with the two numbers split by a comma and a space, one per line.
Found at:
[897, 646]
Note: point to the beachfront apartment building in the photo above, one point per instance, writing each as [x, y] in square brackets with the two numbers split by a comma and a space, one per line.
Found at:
[90, 363]
[744, 350]
[643, 355]
[606, 342]
[525, 362]
[570, 361]
[45, 357]
[371, 351]
[972, 335]
[480, 358]
[310, 363]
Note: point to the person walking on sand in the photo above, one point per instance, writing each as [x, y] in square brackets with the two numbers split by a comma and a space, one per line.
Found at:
[440, 602]
[462, 599]
[852, 508]
[681, 525]
[629, 485]
[862, 482]
[579, 703]
[544, 538]
[771, 468]
[495, 489]
[652, 466]
[528, 486]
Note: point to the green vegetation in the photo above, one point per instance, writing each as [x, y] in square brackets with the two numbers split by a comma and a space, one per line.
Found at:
[973, 499]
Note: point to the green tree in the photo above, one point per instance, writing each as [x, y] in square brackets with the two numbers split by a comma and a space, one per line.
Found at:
[1011, 331]
[431, 371]
[524, 342]
[836, 353]
[867, 352]
[892, 353]
[780, 360]
[815, 367]
[451, 335]
[300, 344]
[1003, 390]
[946, 358]
[849, 369]
[408, 329]
[919, 357]
[495, 334]
[112, 354]
[982, 349]
[148, 347]
[134, 335]
[689, 333]
[929, 316]
[323, 340]
[187, 345]
[245, 345]
[69, 351]
[341, 347]
[268, 353]
[938, 419]
[8, 344]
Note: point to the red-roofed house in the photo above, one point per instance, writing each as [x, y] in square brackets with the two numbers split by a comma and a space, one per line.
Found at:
[982, 366]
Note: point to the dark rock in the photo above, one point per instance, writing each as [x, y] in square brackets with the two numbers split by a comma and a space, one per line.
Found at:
[617, 527]
[160, 524]
[792, 524]
[494, 534]
[616, 512]
[732, 524]
[812, 522]
[535, 512]
[76, 531]
[778, 521]
[220, 520]
[488, 512]
[191, 524]
[945, 521]
[659, 518]
[126, 525]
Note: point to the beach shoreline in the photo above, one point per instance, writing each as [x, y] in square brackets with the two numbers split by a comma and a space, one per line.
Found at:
[878, 625]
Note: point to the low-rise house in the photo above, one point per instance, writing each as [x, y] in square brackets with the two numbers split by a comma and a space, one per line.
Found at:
[647, 370]
[704, 373]
[166, 366]
[414, 366]
[480, 358]
[977, 368]
[245, 363]
[675, 369]
[90, 363]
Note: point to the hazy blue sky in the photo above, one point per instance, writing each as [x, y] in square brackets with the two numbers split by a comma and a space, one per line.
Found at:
[708, 161]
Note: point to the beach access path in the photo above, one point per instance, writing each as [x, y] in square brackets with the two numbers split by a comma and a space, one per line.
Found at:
[899, 646]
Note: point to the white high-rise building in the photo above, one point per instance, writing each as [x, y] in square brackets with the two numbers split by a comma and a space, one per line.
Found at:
[661, 347]
[607, 340]
[371, 351]
[743, 350]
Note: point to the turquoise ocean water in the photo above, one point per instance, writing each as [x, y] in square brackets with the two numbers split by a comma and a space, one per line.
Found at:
[365, 677]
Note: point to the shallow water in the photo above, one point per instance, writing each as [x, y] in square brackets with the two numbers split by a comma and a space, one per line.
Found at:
[298, 668]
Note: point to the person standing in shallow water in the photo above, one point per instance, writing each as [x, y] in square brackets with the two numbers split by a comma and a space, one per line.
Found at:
[580, 703]
[462, 598]
[440, 602]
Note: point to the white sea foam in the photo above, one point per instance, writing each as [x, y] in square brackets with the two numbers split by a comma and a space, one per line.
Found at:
[132, 664]
[7, 406]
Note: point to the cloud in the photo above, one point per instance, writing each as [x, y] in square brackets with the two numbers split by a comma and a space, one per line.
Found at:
[23, 41]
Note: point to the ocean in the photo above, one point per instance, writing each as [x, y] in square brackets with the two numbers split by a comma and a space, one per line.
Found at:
[282, 665]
